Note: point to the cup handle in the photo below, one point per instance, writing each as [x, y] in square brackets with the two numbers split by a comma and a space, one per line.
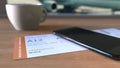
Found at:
[44, 15]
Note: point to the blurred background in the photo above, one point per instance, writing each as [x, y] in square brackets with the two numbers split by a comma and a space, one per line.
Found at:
[81, 7]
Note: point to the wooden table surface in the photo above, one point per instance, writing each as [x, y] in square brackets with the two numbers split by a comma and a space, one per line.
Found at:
[81, 59]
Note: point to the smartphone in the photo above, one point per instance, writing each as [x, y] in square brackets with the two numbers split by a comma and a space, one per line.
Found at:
[101, 43]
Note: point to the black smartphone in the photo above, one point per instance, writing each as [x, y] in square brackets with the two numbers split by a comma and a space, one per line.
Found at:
[101, 43]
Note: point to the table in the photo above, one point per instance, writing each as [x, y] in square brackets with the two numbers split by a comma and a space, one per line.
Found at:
[81, 59]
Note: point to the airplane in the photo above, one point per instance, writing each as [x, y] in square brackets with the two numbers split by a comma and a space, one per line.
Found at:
[72, 4]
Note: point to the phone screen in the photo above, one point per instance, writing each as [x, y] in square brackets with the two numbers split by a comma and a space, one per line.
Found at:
[104, 44]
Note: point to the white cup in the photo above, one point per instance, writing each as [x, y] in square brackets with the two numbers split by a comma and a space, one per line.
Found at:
[25, 16]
